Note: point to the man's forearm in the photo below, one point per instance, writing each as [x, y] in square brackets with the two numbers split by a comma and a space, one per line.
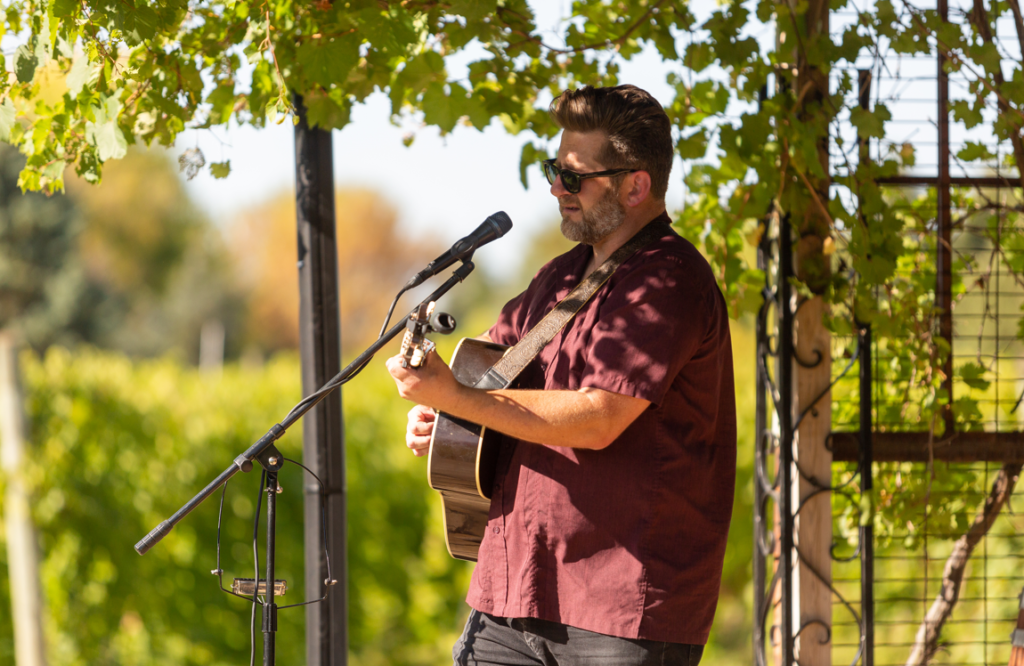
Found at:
[584, 419]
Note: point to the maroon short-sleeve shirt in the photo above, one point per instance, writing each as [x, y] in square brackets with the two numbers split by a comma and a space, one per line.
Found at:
[627, 541]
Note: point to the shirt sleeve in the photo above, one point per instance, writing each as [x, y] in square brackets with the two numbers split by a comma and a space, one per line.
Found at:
[654, 320]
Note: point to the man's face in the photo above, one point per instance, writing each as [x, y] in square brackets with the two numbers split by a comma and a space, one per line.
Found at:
[595, 211]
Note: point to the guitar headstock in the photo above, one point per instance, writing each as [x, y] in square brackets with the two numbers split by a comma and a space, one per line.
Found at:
[415, 345]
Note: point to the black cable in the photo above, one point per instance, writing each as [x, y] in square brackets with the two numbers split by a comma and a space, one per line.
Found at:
[323, 537]
[256, 558]
[327, 388]
[255, 599]
[391, 311]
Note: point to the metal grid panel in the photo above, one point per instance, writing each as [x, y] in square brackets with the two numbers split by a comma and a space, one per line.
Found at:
[909, 563]
[986, 245]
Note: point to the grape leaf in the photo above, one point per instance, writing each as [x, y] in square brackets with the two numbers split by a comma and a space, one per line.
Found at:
[220, 169]
[25, 63]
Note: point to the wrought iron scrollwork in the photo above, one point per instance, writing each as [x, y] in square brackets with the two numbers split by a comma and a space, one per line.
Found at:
[776, 555]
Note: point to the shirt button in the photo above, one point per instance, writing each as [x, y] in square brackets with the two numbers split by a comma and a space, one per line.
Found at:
[497, 529]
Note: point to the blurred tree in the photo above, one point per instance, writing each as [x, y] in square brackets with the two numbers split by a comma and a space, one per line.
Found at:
[162, 266]
[43, 291]
[375, 258]
[130, 264]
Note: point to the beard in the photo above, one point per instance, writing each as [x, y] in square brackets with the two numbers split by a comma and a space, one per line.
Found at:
[603, 218]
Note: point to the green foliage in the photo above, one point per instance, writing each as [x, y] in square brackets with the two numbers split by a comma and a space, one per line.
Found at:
[95, 77]
[117, 447]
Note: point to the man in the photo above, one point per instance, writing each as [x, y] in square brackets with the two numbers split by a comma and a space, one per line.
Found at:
[614, 489]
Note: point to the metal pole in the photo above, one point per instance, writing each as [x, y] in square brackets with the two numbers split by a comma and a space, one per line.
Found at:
[320, 347]
[760, 425]
[269, 604]
[760, 428]
[867, 530]
[786, 441]
[944, 247]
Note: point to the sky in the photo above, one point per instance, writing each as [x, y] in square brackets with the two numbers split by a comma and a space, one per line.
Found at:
[442, 187]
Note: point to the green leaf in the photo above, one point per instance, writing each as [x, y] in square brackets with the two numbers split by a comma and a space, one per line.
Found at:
[7, 115]
[220, 169]
[328, 61]
[324, 111]
[973, 375]
[78, 75]
[698, 56]
[973, 150]
[870, 123]
[105, 133]
[62, 8]
[142, 23]
[693, 147]
[25, 63]
[473, 10]
[53, 175]
[440, 109]
[529, 156]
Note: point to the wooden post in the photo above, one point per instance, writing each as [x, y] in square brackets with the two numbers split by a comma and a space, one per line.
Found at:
[806, 200]
[22, 547]
[812, 526]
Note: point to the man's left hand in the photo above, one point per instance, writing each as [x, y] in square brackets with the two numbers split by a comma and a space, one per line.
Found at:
[431, 384]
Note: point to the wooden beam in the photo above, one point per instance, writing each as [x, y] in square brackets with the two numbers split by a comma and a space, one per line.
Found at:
[913, 447]
[955, 181]
[812, 526]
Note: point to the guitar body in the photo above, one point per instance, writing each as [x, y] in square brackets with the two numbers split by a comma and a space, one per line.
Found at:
[463, 456]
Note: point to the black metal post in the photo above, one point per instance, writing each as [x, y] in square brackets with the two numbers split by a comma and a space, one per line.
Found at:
[944, 239]
[760, 431]
[785, 408]
[760, 423]
[270, 602]
[320, 347]
[867, 530]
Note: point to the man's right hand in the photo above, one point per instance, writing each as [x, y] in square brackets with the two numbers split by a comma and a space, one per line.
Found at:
[419, 429]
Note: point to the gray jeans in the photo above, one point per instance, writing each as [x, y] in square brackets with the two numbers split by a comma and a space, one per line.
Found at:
[498, 641]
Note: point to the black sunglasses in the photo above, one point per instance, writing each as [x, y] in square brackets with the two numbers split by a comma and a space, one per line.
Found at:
[572, 181]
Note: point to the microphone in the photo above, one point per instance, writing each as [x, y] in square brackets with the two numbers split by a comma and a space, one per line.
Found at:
[495, 226]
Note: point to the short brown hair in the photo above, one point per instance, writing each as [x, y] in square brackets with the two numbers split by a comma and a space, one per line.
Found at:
[638, 129]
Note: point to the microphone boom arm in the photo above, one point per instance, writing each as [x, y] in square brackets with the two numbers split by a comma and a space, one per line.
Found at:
[244, 461]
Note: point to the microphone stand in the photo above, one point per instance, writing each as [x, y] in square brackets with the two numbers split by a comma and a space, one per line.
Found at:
[266, 454]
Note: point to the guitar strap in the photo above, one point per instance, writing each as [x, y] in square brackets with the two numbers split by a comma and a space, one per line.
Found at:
[504, 372]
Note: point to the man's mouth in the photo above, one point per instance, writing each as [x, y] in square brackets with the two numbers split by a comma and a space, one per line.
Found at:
[570, 206]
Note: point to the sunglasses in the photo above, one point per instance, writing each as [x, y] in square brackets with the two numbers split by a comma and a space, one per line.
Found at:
[572, 181]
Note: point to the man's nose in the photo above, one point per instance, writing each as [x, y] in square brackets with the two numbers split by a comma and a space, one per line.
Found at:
[557, 188]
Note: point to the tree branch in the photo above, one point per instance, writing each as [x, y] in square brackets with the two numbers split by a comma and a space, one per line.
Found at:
[979, 19]
[926, 643]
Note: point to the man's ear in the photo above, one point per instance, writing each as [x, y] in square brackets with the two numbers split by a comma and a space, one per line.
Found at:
[639, 184]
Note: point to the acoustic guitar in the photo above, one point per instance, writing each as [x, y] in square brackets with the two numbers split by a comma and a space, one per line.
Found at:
[463, 456]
